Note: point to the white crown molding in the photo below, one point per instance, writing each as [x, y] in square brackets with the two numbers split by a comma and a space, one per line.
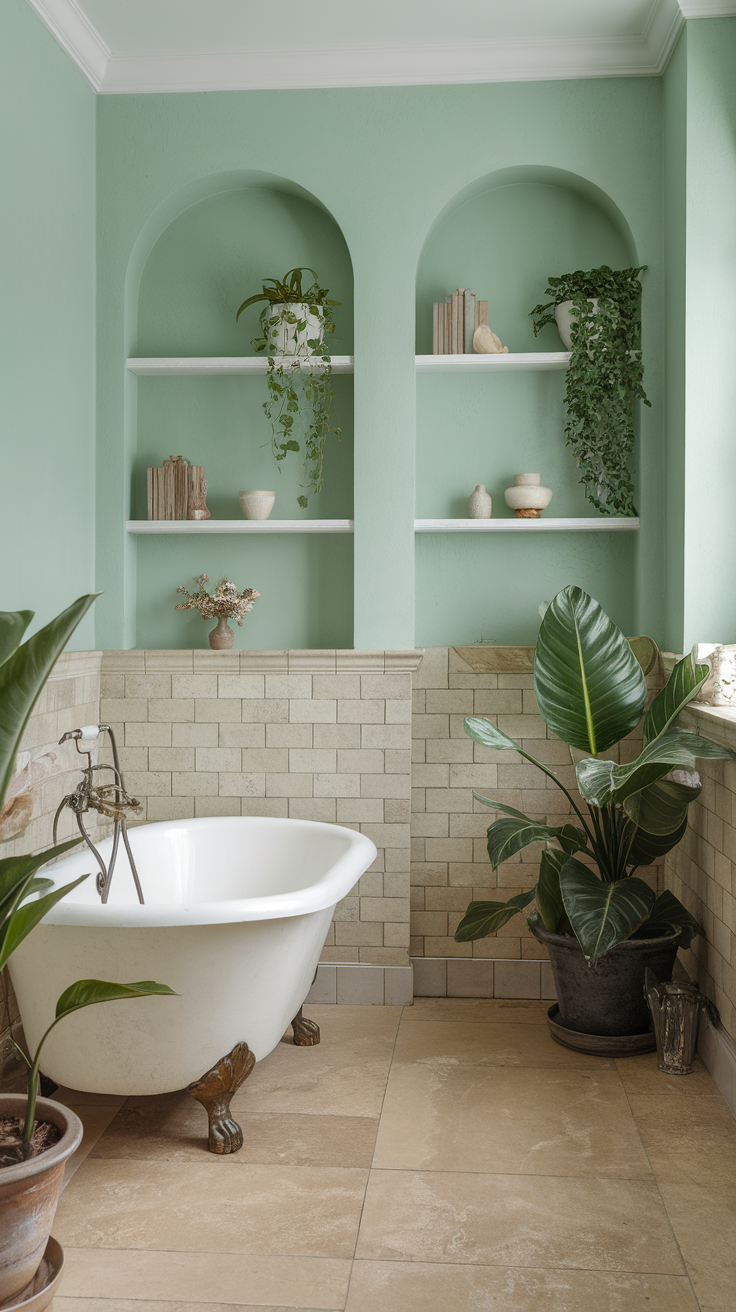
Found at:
[76, 35]
[279, 68]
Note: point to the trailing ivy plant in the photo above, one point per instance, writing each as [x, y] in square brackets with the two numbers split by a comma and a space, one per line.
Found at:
[300, 392]
[604, 378]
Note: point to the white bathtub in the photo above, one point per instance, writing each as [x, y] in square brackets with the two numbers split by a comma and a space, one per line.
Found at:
[236, 914]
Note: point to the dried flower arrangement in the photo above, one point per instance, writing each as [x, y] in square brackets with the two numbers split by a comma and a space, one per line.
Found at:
[224, 603]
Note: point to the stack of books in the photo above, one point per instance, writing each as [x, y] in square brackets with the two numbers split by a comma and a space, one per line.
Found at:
[455, 320]
[177, 490]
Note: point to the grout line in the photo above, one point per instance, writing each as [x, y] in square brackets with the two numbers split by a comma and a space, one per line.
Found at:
[370, 1168]
[656, 1185]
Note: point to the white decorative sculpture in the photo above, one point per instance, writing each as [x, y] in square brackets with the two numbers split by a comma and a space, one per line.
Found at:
[719, 688]
[480, 505]
[527, 498]
[486, 342]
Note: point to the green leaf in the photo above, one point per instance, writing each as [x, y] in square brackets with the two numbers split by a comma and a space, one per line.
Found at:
[603, 782]
[669, 916]
[23, 675]
[648, 848]
[684, 683]
[13, 624]
[548, 893]
[589, 686]
[483, 918]
[662, 807]
[499, 806]
[25, 918]
[86, 992]
[508, 836]
[602, 914]
[16, 871]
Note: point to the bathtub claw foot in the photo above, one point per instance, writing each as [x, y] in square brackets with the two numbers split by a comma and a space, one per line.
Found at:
[214, 1091]
[306, 1032]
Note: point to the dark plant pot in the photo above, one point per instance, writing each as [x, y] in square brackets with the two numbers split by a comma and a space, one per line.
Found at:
[29, 1193]
[607, 998]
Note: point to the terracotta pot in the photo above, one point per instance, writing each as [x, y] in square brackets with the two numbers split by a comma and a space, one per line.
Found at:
[29, 1193]
[222, 636]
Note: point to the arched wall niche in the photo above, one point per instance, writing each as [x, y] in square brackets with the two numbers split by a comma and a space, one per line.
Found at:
[505, 233]
[503, 236]
[204, 251]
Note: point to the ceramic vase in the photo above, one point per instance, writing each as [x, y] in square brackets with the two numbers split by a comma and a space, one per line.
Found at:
[480, 504]
[256, 505]
[527, 498]
[284, 337]
[564, 319]
[222, 636]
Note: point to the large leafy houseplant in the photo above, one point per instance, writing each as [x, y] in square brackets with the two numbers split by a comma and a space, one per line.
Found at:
[24, 895]
[299, 397]
[604, 377]
[591, 693]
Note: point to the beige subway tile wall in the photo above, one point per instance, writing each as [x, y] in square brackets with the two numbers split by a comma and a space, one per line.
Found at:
[700, 870]
[449, 861]
[312, 735]
[70, 699]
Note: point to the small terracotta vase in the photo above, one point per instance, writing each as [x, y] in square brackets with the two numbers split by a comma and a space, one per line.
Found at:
[222, 637]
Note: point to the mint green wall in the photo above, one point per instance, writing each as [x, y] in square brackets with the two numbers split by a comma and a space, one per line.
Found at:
[710, 325]
[675, 188]
[392, 162]
[47, 344]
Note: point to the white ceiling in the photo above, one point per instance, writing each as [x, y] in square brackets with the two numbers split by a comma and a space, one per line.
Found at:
[125, 46]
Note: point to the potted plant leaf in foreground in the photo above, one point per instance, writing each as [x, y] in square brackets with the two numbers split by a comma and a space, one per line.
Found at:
[601, 924]
[37, 1135]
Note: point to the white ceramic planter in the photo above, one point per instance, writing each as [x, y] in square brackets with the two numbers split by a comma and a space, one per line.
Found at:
[284, 336]
[564, 319]
[256, 504]
[527, 498]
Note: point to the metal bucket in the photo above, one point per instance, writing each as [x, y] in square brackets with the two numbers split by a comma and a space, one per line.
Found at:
[676, 1009]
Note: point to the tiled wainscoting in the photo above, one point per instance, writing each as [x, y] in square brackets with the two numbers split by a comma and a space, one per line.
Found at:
[700, 871]
[316, 735]
[71, 698]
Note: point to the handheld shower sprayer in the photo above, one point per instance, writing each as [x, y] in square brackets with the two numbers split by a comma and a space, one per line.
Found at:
[109, 799]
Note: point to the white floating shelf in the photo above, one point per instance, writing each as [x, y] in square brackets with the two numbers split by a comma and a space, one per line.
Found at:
[481, 364]
[600, 525]
[183, 366]
[239, 526]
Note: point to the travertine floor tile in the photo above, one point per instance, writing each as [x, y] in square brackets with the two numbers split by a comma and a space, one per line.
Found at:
[187, 1206]
[691, 1138]
[519, 1221]
[345, 1075]
[95, 1120]
[490, 1044]
[62, 1304]
[425, 1287]
[499, 1010]
[443, 1115]
[174, 1128]
[639, 1075]
[200, 1277]
[704, 1222]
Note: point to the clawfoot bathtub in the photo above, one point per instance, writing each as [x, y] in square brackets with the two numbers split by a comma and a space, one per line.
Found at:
[236, 913]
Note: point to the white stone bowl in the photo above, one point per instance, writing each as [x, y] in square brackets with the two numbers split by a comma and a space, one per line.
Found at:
[256, 504]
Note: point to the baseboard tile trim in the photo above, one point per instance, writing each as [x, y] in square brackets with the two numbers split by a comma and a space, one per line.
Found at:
[360, 985]
[718, 1052]
[463, 977]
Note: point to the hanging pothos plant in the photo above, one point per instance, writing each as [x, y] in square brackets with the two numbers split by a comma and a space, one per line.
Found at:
[294, 323]
[604, 378]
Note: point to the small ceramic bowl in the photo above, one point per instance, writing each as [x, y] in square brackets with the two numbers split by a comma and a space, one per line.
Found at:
[256, 505]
